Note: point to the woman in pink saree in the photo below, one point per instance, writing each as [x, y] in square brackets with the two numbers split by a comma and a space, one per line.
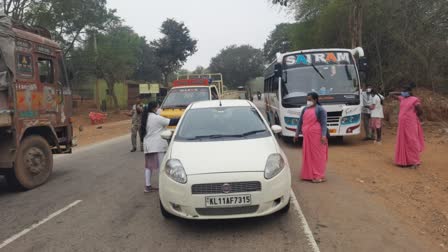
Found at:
[410, 140]
[313, 126]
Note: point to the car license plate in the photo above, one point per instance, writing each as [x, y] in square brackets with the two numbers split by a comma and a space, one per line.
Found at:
[228, 201]
[332, 131]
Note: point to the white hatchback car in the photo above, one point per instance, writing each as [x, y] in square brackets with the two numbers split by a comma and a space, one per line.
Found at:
[223, 162]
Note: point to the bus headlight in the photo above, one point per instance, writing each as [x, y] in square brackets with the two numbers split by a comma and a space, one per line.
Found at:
[351, 119]
[291, 121]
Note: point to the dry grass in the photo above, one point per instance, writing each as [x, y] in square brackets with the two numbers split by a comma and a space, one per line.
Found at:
[435, 107]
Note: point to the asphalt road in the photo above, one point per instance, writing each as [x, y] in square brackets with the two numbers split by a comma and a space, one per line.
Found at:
[115, 215]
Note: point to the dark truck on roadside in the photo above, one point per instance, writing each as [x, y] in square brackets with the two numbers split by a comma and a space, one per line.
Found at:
[35, 104]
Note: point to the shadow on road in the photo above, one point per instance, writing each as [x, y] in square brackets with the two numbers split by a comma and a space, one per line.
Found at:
[4, 188]
[228, 226]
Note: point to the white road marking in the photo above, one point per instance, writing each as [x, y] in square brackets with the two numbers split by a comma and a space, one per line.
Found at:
[35, 225]
[304, 224]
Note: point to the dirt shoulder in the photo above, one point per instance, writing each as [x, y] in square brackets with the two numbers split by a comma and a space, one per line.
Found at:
[418, 197]
[114, 126]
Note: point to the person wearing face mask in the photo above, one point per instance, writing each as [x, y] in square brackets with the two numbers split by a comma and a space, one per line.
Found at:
[313, 126]
[410, 139]
[366, 99]
[154, 145]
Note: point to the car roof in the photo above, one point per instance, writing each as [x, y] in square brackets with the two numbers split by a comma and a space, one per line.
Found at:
[221, 103]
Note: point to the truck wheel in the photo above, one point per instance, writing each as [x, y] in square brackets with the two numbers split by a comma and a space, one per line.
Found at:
[34, 162]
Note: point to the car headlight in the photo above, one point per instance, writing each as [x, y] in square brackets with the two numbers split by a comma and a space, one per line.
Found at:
[175, 170]
[274, 166]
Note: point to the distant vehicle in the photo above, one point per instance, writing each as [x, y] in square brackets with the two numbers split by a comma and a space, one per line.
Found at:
[259, 95]
[197, 183]
[245, 93]
[185, 92]
[332, 73]
[35, 104]
[214, 79]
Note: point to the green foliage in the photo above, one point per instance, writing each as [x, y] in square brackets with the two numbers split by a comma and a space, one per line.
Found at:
[174, 48]
[238, 64]
[278, 41]
[403, 39]
[199, 70]
[67, 20]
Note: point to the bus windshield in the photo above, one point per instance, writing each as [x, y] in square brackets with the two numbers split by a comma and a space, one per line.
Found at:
[324, 80]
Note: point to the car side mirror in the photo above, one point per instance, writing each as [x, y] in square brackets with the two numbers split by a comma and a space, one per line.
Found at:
[167, 135]
[276, 129]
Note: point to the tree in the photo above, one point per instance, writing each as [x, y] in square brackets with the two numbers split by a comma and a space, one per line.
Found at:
[147, 68]
[238, 64]
[278, 41]
[199, 70]
[67, 20]
[174, 48]
[117, 57]
[403, 39]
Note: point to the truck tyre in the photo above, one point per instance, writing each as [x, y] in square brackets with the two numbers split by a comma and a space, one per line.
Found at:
[34, 162]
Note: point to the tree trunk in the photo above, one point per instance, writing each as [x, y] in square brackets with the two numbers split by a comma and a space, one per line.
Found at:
[380, 63]
[110, 86]
[356, 22]
[165, 79]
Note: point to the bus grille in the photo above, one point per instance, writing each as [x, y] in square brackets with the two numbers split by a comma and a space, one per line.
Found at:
[333, 118]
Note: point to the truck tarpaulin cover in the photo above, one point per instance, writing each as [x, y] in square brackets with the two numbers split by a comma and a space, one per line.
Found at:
[7, 44]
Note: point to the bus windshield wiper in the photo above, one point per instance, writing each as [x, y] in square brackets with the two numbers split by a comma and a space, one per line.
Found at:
[347, 71]
[317, 71]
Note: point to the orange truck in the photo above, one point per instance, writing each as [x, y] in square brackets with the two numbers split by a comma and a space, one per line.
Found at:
[185, 92]
[35, 104]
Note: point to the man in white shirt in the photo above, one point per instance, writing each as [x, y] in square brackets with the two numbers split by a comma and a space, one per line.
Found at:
[366, 99]
[377, 115]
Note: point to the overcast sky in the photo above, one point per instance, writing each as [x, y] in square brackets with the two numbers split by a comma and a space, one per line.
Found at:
[214, 23]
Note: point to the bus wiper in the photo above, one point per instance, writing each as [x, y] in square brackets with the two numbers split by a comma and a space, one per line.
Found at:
[317, 71]
[347, 71]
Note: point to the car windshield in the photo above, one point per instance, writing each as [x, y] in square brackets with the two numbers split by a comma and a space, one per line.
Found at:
[230, 123]
[182, 97]
[324, 80]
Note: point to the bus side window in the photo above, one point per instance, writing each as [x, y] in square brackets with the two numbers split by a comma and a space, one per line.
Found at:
[46, 71]
[274, 86]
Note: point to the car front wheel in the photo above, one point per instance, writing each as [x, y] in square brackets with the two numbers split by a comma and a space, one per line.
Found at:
[164, 212]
